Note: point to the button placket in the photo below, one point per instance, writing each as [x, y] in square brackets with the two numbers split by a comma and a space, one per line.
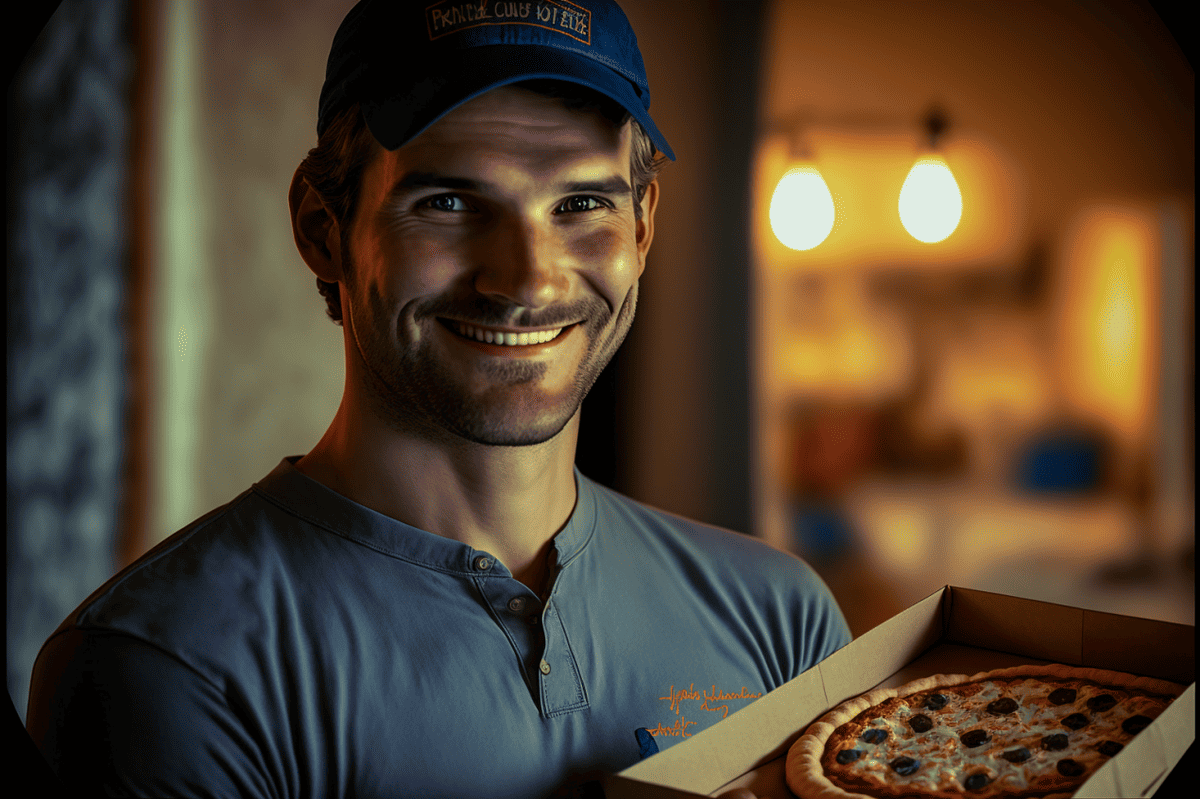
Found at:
[562, 688]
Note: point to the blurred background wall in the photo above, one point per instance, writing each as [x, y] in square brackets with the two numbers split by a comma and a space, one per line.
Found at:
[1009, 408]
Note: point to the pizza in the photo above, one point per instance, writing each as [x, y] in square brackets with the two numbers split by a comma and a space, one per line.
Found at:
[1028, 731]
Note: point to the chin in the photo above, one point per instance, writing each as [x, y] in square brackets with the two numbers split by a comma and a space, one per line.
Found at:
[493, 429]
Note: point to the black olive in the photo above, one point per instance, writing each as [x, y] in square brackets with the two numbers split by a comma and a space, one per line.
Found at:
[1062, 696]
[1101, 703]
[1135, 724]
[1076, 721]
[1018, 755]
[1110, 748]
[974, 738]
[976, 781]
[1069, 768]
[921, 723]
[935, 702]
[905, 765]
[1001, 706]
[874, 736]
[848, 756]
[1055, 741]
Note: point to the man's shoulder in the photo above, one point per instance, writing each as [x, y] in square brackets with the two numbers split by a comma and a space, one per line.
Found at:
[738, 578]
[191, 579]
[687, 537]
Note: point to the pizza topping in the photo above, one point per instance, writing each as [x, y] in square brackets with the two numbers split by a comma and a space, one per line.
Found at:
[1135, 724]
[1110, 748]
[974, 738]
[1076, 721]
[977, 781]
[1069, 768]
[1018, 755]
[935, 701]
[874, 736]
[1101, 703]
[905, 765]
[848, 756]
[1001, 706]
[921, 723]
[1055, 742]
[1063, 696]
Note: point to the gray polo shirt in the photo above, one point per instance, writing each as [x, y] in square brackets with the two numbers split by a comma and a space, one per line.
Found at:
[295, 643]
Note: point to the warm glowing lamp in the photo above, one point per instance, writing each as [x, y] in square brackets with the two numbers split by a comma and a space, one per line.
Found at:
[802, 212]
[930, 201]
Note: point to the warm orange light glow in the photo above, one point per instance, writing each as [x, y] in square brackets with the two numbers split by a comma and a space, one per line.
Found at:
[931, 203]
[1108, 347]
[849, 348]
[802, 209]
[864, 171]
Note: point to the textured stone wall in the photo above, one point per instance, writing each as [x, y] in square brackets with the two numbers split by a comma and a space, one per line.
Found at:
[67, 243]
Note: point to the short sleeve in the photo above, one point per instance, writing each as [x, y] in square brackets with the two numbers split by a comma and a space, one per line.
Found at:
[830, 630]
[113, 713]
[820, 627]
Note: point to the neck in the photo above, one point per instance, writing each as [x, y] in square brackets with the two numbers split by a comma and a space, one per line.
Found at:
[507, 501]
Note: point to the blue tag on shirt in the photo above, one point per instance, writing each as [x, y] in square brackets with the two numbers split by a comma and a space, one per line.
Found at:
[646, 744]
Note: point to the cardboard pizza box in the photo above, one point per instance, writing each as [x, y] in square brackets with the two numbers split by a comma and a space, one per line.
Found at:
[954, 630]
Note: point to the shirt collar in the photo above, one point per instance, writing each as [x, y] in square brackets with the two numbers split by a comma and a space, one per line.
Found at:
[300, 495]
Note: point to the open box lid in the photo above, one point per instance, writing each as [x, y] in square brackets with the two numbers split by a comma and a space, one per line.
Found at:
[953, 629]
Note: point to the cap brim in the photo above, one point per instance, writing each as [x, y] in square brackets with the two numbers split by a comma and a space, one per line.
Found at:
[397, 119]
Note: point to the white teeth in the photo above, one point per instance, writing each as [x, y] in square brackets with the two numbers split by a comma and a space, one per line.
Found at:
[508, 339]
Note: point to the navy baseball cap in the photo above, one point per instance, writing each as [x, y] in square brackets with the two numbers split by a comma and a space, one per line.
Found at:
[409, 63]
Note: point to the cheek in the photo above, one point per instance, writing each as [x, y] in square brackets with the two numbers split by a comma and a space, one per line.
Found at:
[610, 254]
[416, 266]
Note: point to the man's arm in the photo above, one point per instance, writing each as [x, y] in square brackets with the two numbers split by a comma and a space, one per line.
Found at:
[114, 713]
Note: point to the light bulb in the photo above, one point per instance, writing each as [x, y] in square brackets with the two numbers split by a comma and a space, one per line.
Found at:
[802, 209]
[930, 201]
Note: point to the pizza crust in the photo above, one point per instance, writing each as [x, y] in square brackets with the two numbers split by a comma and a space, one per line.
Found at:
[805, 772]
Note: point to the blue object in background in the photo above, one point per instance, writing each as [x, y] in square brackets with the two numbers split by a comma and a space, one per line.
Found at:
[1062, 463]
[821, 532]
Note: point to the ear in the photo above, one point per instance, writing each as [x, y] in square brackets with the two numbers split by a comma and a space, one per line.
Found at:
[645, 225]
[315, 230]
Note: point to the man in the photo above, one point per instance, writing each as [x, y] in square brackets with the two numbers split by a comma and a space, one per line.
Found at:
[433, 601]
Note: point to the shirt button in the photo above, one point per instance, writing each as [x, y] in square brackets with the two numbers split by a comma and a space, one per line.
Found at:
[482, 563]
[516, 604]
[545, 667]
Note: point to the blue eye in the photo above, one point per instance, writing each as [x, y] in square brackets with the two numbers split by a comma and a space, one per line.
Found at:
[446, 202]
[581, 203]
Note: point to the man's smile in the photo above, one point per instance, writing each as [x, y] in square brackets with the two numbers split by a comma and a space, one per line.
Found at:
[507, 341]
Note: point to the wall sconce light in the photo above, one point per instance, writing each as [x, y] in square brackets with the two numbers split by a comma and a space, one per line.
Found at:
[801, 212]
[930, 200]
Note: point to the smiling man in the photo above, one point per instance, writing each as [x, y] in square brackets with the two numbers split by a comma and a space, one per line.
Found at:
[434, 601]
[487, 275]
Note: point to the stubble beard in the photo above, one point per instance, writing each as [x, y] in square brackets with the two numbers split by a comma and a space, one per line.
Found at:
[412, 390]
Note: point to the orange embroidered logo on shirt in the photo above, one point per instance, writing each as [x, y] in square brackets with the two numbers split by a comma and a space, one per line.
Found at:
[713, 701]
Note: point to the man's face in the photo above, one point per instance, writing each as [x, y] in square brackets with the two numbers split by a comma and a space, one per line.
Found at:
[512, 216]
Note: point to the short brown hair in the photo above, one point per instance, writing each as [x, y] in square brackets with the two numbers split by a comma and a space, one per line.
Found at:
[334, 168]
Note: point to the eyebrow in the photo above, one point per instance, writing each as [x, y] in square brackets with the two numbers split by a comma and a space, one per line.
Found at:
[424, 180]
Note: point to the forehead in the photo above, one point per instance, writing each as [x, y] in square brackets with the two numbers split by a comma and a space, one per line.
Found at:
[515, 127]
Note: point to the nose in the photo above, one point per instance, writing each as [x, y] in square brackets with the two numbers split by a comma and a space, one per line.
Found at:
[523, 264]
